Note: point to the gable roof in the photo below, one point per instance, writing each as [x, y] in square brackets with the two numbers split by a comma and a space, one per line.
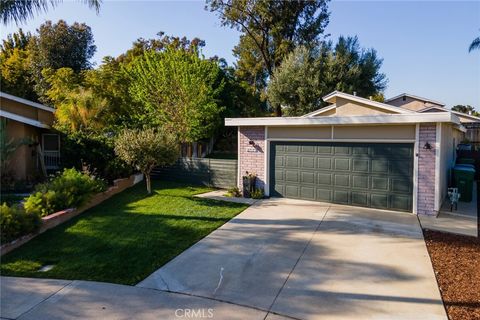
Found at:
[319, 111]
[433, 107]
[16, 117]
[416, 98]
[331, 97]
[26, 102]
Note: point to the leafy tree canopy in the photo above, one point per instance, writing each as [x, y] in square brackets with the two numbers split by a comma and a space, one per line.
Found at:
[307, 74]
[178, 90]
[271, 29]
[16, 76]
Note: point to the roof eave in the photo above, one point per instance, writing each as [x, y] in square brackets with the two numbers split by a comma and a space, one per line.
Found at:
[354, 120]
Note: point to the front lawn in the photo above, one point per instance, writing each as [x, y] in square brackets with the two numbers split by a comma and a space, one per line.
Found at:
[125, 238]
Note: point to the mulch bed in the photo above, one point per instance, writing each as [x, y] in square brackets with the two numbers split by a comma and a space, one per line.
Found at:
[456, 261]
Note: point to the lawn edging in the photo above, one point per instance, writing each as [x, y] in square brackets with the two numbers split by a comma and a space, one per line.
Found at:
[59, 217]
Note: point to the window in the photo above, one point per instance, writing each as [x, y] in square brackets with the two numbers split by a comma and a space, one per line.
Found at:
[50, 142]
[404, 98]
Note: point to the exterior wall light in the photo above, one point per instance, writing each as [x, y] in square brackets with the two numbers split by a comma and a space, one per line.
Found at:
[427, 146]
[251, 142]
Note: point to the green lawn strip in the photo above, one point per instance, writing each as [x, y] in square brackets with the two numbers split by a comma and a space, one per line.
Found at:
[125, 238]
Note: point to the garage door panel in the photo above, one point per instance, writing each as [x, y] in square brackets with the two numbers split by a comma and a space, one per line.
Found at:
[342, 180]
[307, 177]
[292, 161]
[342, 164]
[360, 199]
[379, 201]
[379, 166]
[324, 149]
[308, 149]
[292, 149]
[379, 183]
[401, 185]
[361, 174]
[307, 193]
[341, 196]
[400, 202]
[308, 162]
[324, 179]
[360, 151]
[360, 182]
[324, 163]
[292, 191]
[339, 150]
[324, 195]
[280, 161]
[291, 176]
[399, 168]
[360, 165]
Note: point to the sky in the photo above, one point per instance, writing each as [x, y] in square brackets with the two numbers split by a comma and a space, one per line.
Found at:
[424, 44]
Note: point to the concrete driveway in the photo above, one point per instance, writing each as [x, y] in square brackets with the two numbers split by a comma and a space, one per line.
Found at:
[310, 260]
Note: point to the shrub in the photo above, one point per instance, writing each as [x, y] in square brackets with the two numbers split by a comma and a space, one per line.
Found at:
[15, 222]
[234, 192]
[257, 194]
[69, 189]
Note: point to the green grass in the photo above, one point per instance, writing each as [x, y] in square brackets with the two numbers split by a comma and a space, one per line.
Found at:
[125, 238]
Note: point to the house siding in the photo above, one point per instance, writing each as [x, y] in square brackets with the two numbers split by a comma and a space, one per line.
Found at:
[426, 170]
[252, 158]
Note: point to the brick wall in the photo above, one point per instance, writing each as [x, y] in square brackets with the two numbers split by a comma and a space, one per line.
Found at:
[252, 158]
[426, 170]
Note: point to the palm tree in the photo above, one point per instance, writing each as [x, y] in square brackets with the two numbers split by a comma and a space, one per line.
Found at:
[21, 10]
[475, 45]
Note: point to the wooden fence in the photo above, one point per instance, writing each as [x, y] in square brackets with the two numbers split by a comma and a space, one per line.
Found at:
[219, 173]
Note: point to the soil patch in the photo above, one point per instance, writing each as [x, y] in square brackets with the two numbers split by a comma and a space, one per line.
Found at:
[456, 261]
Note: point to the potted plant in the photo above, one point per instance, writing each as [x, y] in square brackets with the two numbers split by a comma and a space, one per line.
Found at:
[249, 182]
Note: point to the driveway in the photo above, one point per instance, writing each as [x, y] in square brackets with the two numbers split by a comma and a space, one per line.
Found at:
[311, 260]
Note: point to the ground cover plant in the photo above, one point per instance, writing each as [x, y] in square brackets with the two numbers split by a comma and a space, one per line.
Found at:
[125, 238]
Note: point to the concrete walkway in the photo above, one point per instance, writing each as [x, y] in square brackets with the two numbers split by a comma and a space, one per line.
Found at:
[279, 259]
[42, 299]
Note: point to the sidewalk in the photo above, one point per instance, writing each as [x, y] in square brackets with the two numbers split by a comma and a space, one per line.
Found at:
[42, 299]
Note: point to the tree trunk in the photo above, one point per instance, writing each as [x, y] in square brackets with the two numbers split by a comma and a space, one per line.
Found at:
[278, 111]
[149, 182]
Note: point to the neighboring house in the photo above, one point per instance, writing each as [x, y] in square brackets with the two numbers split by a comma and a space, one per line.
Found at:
[419, 104]
[356, 152]
[28, 120]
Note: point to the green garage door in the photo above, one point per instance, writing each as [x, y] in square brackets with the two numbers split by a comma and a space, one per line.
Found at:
[372, 175]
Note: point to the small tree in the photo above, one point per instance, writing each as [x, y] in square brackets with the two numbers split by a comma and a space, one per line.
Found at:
[146, 149]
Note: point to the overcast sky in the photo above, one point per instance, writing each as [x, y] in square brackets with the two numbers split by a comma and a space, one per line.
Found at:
[424, 44]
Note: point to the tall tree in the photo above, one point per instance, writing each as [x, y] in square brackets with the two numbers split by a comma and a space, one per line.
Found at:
[58, 46]
[178, 90]
[271, 29]
[307, 74]
[20, 10]
[16, 77]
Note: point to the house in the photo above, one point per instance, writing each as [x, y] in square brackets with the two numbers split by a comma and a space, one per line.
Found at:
[394, 155]
[31, 123]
